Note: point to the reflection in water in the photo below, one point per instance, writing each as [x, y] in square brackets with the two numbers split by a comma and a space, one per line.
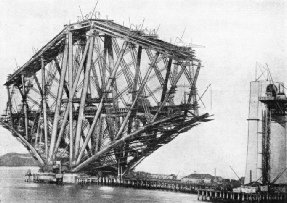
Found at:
[14, 189]
[106, 189]
[106, 196]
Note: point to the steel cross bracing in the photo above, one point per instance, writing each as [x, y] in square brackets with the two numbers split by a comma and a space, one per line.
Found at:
[102, 97]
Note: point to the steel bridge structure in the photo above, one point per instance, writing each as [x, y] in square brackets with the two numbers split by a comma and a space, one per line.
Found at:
[101, 97]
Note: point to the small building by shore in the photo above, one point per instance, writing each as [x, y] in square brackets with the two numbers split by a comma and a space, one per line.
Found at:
[201, 178]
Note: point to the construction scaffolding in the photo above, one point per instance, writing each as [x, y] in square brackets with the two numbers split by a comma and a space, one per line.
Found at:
[266, 150]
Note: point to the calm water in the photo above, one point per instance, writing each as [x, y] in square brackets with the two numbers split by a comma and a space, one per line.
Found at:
[14, 189]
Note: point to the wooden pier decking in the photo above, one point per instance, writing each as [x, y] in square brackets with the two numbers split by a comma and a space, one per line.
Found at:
[159, 184]
[169, 185]
[229, 196]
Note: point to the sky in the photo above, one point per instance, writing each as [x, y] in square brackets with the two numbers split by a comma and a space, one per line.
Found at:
[235, 34]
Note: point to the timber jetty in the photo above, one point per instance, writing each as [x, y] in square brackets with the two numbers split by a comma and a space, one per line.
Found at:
[153, 183]
[230, 196]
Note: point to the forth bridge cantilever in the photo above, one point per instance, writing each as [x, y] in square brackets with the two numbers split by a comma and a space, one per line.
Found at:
[101, 97]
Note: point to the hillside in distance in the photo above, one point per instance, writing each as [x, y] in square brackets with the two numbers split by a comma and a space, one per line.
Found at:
[17, 159]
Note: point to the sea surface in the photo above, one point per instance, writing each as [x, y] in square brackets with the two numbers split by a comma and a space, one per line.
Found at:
[13, 188]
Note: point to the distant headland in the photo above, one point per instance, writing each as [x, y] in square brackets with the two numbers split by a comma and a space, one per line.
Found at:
[17, 159]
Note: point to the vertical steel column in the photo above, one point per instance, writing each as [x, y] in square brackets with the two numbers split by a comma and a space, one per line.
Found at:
[175, 70]
[83, 95]
[70, 95]
[99, 131]
[109, 85]
[24, 100]
[109, 46]
[44, 106]
[137, 72]
[58, 101]
[164, 88]
[134, 94]
[75, 83]
[104, 69]
[38, 127]
[135, 85]
[38, 84]
[10, 105]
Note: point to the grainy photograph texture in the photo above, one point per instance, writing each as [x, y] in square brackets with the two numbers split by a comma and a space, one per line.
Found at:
[143, 101]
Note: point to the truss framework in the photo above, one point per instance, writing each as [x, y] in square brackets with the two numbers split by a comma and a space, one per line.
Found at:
[102, 97]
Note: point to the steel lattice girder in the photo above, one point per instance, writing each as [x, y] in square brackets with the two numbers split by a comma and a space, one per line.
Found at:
[100, 96]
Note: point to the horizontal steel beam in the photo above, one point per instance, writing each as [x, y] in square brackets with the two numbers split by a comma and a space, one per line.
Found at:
[89, 100]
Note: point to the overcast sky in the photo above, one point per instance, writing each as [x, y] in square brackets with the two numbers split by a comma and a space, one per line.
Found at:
[235, 34]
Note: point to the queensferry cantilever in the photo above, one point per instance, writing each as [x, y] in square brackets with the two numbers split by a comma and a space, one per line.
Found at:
[100, 97]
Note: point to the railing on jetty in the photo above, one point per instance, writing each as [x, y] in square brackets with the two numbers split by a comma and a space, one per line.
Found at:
[229, 196]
